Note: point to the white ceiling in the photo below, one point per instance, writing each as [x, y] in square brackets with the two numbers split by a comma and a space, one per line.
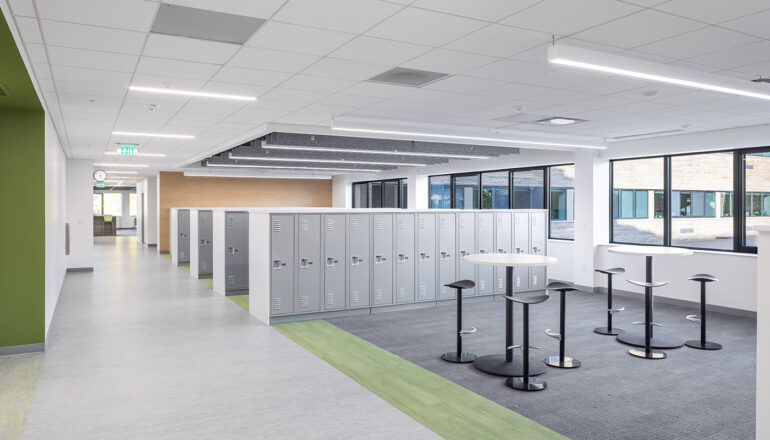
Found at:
[308, 63]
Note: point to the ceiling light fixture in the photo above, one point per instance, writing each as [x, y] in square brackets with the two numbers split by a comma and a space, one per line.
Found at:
[191, 93]
[231, 165]
[113, 153]
[558, 121]
[258, 176]
[360, 151]
[133, 165]
[358, 162]
[645, 70]
[120, 172]
[160, 135]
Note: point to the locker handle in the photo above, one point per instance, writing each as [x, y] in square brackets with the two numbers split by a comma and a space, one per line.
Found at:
[304, 263]
[535, 249]
[463, 253]
[355, 260]
[424, 256]
[445, 255]
[330, 261]
[518, 250]
[501, 251]
[204, 242]
[378, 259]
[402, 258]
[231, 250]
[277, 264]
[482, 251]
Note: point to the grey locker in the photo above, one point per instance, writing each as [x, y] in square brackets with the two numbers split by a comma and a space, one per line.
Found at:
[281, 264]
[426, 257]
[236, 251]
[502, 246]
[382, 256]
[466, 245]
[205, 238]
[358, 260]
[447, 254]
[521, 246]
[309, 263]
[537, 243]
[485, 245]
[334, 262]
[404, 256]
[183, 234]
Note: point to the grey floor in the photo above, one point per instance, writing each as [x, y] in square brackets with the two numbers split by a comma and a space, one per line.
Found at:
[692, 394]
[140, 350]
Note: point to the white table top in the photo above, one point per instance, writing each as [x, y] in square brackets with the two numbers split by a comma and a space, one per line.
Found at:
[649, 251]
[510, 260]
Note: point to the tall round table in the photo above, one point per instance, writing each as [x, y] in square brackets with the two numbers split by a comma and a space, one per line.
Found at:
[636, 338]
[506, 364]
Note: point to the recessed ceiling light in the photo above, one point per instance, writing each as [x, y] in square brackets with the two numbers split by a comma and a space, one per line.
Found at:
[133, 165]
[160, 135]
[558, 121]
[357, 162]
[291, 167]
[363, 151]
[113, 153]
[650, 93]
[191, 93]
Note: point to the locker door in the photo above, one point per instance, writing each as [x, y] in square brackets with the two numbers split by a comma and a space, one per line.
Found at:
[359, 261]
[309, 263]
[334, 262]
[447, 254]
[382, 256]
[537, 243]
[426, 257]
[281, 264]
[183, 230]
[236, 251]
[521, 246]
[502, 245]
[486, 245]
[466, 245]
[405, 259]
[205, 248]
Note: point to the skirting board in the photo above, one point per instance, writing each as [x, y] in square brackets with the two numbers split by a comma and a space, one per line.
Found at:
[152, 245]
[80, 269]
[22, 349]
[165, 252]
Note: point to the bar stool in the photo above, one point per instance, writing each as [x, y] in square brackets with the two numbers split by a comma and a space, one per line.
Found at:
[648, 352]
[609, 330]
[702, 343]
[525, 383]
[459, 357]
[561, 361]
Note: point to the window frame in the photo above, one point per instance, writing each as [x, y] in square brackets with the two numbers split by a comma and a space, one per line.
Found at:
[366, 183]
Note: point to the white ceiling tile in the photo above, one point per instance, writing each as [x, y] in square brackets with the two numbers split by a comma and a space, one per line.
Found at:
[448, 61]
[562, 97]
[65, 56]
[235, 89]
[378, 51]
[261, 9]
[489, 10]
[250, 76]
[136, 15]
[301, 39]
[273, 105]
[424, 27]
[376, 90]
[46, 85]
[91, 37]
[176, 68]
[755, 24]
[713, 11]
[600, 102]
[90, 88]
[697, 42]
[733, 58]
[167, 82]
[95, 76]
[516, 91]
[639, 107]
[317, 83]
[36, 53]
[306, 96]
[29, 30]
[264, 59]
[22, 7]
[510, 70]
[499, 41]
[346, 69]
[562, 78]
[349, 100]
[354, 16]
[464, 84]
[426, 95]
[42, 71]
[189, 49]
[563, 17]
[637, 29]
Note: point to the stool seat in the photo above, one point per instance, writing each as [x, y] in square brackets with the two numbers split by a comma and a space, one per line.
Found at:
[462, 284]
[703, 277]
[646, 284]
[528, 299]
[613, 271]
[558, 285]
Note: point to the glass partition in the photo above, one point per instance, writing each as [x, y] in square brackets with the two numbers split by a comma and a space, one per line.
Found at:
[635, 184]
[466, 191]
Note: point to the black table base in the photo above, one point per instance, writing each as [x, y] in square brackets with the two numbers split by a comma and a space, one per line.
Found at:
[533, 384]
[641, 353]
[555, 361]
[497, 365]
[657, 341]
[703, 345]
[614, 331]
[464, 358]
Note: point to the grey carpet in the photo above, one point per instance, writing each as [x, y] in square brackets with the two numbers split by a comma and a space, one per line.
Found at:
[693, 394]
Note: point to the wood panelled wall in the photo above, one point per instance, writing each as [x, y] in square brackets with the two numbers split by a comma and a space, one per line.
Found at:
[177, 190]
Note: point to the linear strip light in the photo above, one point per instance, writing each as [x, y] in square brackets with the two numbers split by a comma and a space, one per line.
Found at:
[293, 168]
[113, 153]
[132, 165]
[358, 162]
[160, 135]
[120, 172]
[191, 93]
[357, 151]
[623, 66]
[259, 176]
[463, 138]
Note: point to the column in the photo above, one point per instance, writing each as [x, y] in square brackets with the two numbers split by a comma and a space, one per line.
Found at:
[763, 333]
[592, 210]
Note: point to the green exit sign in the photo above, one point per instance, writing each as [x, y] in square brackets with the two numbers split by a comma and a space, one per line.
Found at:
[127, 149]
[100, 184]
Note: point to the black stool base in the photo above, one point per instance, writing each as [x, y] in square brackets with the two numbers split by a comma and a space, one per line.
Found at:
[554, 361]
[658, 341]
[534, 384]
[705, 346]
[464, 358]
[496, 364]
[614, 331]
[640, 352]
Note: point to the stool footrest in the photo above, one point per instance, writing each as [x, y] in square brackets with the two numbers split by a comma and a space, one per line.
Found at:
[613, 311]
[521, 347]
[652, 323]
[693, 318]
[553, 334]
[469, 331]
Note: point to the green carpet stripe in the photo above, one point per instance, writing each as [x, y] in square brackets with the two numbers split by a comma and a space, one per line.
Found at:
[241, 300]
[208, 281]
[449, 410]
[185, 267]
[18, 380]
[166, 256]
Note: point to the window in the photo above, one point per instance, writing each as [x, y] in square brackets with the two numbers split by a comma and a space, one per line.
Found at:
[561, 180]
[403, 193]
[494, 190]
[440, 192]
[380, 194]
[390, 190]
[360, 196]
[632, 182]
[466, 191]
[97, 204]
[726, 203]
[375, 195]
[658, 204]
[757, 186]
[528, 189]
[132, 204]
[113, 204]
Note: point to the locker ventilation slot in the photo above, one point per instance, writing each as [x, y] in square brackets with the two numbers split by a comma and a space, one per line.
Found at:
[500, 220]
[378, 224]
[276, 303]
[354, 224]
[463, 222]
[330, 225]
[230, 221]
[401, 293]
[378, 295]
[304, 225]
[276, 226]
[422, 222]
[304, 301]
[443, 290]
[401, 223]
[442, 223]
[354, 297]
[423, 291]
[329, 299]
[482, 221]
[482, 285]
[500, 283]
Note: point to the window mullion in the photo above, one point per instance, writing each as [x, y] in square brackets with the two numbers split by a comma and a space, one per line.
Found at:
[667, 201]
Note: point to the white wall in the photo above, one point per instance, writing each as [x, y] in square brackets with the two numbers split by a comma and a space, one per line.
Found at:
[55, 219]
[79, 191]
[762, 295]
[141, 188]
[151, 218]
[125, 220]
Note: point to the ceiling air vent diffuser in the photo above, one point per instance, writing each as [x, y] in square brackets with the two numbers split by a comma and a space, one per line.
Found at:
[408, 77]
[202, 24]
